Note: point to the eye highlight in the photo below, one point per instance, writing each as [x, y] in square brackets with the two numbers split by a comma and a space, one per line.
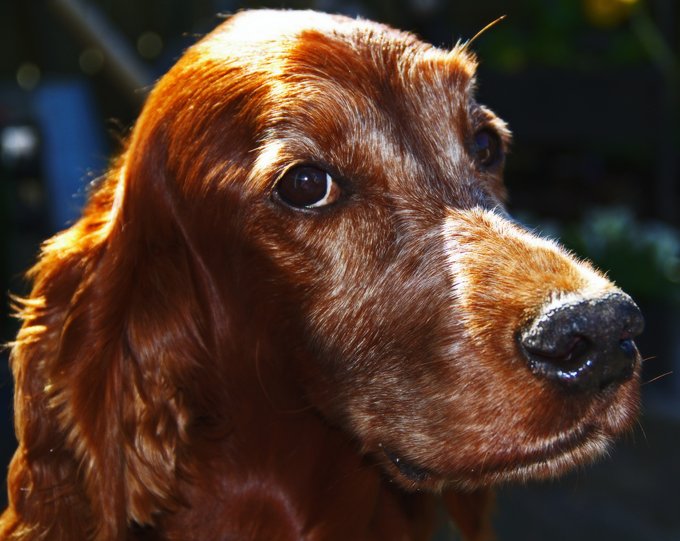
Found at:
[487, 147]
[307, 186]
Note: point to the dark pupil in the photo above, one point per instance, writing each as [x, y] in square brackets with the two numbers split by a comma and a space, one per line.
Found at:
[303, 186]
[486, 147]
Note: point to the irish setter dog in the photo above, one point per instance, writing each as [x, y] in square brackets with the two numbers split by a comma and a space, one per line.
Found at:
[296, 309]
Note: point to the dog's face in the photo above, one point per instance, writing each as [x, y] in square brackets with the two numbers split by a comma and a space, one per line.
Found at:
[355, 166]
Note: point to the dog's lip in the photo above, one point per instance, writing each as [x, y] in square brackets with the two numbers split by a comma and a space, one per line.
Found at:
[497, 466]
[546, 452]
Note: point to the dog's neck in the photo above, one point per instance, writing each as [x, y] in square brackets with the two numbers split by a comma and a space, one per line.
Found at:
[281, 466]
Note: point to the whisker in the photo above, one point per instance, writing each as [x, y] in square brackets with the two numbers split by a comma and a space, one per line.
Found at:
[642, 429]
[670, 372]
[487, 27]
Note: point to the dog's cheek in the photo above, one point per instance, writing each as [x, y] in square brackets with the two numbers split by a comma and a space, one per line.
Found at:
[382, 342]
[375, 330]
[332, 266]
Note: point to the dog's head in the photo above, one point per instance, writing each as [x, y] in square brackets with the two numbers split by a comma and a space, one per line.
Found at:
[363, 185]
[319, 200]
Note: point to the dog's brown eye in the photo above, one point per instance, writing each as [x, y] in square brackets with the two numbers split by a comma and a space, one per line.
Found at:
[487, 148]
[307, 187]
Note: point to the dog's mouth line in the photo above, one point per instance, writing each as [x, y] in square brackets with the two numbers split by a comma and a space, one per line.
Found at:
[543, 454]
[550, 451]
[409, 469]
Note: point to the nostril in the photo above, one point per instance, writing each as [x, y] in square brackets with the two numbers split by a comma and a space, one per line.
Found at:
[548, 347]
[631, 320]
[566, 364]
[578, 346]
[586, 345]
[628, 348]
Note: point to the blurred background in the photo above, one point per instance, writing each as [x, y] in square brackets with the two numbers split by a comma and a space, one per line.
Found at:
[591, 91]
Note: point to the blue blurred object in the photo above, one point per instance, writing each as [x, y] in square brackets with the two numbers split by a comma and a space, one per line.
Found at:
[74, 148]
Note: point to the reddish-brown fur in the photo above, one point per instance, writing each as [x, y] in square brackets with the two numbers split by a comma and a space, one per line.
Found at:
[200, 361]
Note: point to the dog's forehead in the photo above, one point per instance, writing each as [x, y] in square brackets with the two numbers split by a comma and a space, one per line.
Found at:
[261, 26]
[269, 40]
[393, 100]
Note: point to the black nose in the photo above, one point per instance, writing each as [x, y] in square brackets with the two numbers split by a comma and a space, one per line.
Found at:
[586, 345]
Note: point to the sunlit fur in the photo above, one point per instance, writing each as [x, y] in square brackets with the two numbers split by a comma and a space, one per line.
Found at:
[200, 361]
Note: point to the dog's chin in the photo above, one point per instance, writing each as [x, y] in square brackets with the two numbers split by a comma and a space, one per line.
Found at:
[547, 460]
[544, 458]
[490, 462]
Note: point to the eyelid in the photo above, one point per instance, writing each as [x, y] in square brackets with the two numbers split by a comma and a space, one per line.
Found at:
[482, 117]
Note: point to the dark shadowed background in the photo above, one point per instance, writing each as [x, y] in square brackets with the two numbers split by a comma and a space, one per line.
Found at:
[591, 90]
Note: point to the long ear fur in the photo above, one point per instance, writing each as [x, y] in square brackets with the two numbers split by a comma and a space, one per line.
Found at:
[111, 334]
[122, 319]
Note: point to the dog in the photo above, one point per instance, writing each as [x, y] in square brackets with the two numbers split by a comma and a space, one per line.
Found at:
[296, 308]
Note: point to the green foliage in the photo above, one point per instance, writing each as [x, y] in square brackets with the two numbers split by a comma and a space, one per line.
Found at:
[558, 33]
[643, 258]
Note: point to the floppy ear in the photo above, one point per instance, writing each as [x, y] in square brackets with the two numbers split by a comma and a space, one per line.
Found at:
[112, 335]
